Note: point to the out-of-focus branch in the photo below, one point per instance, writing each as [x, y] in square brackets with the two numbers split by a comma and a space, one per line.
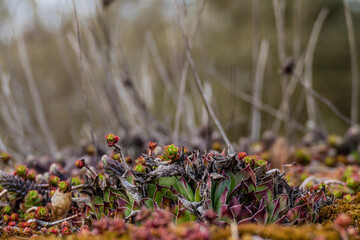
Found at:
[354, 65]
[199, 85]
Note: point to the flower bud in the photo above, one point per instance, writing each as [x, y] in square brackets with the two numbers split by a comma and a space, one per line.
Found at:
[14, 217]
[66, 231]
[54, 180]
[21, 171]
[80, 163]
[112, 139]
[241, 155]
[152, 146]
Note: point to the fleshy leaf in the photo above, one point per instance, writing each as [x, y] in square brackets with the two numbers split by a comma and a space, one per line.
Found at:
[240, 212]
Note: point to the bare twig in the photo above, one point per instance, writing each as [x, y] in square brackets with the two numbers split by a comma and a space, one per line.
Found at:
[3, 193]
[79, 186]
[290, 90]
[248, 98]
[279, 6]
[199, 85]
[259, 77]
[354, 65]
[323, 99]
[184, 72]
[310, 103]
[297, 29]
[83, 83]
[49, 224]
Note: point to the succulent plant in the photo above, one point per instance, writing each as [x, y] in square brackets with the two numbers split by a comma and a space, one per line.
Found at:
[64, 186]
[18, 187]
[170, 152]
[21, 171]
[43, 213]
[32, 199]
[235, 187]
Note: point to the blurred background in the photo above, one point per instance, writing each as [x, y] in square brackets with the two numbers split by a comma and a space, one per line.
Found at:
[251, 57]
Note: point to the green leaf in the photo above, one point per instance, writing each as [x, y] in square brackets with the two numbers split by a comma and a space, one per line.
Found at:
[198, 198]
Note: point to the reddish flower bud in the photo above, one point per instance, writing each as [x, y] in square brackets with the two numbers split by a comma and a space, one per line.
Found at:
[152, 146]
[54, 230]
[12, 224]
[111, 139]
[64, 186]
[26, 224]
[241, 155]
[66, 231]
[14, 217]
[54, 180]
[80, 163]
[21, 171]
[31, 175]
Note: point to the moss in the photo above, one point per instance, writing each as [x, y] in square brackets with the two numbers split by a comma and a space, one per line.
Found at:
[328, 214]
[278, 232]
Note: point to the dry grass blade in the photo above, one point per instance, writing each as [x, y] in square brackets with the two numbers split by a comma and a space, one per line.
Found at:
[354, 65]
[199, 85]
[83, 83]
[258, 85]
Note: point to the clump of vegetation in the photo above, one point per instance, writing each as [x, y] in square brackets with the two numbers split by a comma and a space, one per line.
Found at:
[169, 187]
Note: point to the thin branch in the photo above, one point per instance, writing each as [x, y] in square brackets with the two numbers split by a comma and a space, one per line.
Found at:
[199, 85]
[258, 85]
[49, 224]
[310, 103]
[323, 99]
[279, 6]
[184, 72]
[248, 98]
[354, 65]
